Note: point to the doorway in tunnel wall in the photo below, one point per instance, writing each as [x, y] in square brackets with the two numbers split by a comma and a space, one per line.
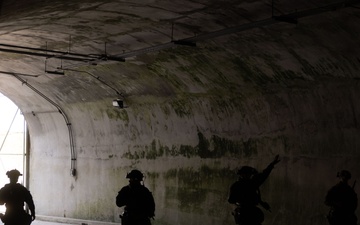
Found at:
[12, 142]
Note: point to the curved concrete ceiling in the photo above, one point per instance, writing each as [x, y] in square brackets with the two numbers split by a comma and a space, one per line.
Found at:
[144, 51]
[59, 36]
[109, 49]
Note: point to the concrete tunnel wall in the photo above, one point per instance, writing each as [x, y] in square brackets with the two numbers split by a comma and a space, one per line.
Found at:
[195, 116]
[190, 172]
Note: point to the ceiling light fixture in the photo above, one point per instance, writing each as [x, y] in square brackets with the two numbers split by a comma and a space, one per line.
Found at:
[118, 103]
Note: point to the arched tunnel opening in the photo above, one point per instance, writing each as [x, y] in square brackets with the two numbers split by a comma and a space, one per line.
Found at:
[14, 142]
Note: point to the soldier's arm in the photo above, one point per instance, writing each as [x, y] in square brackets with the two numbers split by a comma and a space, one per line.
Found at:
[233, 194]
[2, 195]
[151, 205]
[121, 198]
[30, 202]
[260, 178]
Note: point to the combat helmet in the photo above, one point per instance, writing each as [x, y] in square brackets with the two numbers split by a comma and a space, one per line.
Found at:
[247, 170]
[13, 173]
[344, 174]
[135, 174]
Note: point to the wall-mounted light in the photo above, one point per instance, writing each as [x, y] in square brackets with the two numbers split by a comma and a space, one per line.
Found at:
[118, 103]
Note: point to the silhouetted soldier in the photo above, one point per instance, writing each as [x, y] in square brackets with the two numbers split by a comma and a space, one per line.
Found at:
[245, 194]
[138, 201]
[343, 201]
[13, 195]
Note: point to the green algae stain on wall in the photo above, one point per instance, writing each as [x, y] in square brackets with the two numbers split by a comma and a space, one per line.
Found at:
[267, 70]
[213, 147]
[225, 146]
[185, 106]
[191, 199]
[160, 71]
[98, 210]
[188, 192]
[181, 107]
[249, 148]
[186, 150]
[191, 189]
[166, 110]
[250, 72]
[152, 152]
[118, 114]
[203, 146]
[308, 69]
[218, 147]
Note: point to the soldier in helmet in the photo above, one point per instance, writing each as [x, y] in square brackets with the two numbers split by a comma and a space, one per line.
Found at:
[245, 194]
[342, 201]
[137, 199]
[13, 195]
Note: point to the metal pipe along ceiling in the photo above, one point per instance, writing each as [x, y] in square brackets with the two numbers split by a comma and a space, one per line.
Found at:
[290, 18]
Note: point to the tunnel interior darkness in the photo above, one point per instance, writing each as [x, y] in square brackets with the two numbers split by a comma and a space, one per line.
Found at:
[200, 88]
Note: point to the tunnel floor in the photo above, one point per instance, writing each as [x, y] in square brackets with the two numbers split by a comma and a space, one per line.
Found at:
[39, 222]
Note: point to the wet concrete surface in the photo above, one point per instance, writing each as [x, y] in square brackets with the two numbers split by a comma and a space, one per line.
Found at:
[39, 222]
[46, 220]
